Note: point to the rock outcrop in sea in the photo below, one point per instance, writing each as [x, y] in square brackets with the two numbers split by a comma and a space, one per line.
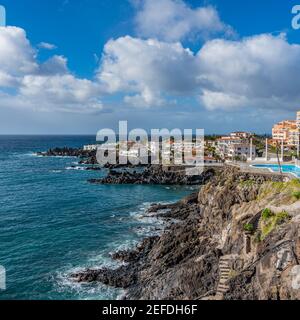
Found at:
[155, 174]
[86, 156]
[237, 238]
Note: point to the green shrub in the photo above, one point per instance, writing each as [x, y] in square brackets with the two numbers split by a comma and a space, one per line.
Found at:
[266, 214]
[296, 195]
[270, 224]
[249, 227]
[257, 237]
[282, 217]
[247, 183]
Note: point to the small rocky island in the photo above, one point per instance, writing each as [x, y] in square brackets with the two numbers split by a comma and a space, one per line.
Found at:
[237, 238]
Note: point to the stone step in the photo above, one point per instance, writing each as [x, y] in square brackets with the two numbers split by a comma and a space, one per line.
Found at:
[223, 286]
[223, 289]
[220, 291]
[225, 273]
[223, 281]
[225, 259]
[224, 267]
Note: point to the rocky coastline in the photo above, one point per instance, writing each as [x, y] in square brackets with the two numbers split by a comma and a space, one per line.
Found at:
[86, 157]
[237, 238]
[154, 174]
[130, 174]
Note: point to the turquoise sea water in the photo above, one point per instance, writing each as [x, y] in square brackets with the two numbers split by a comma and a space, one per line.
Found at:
[53, 222]
[289, 168]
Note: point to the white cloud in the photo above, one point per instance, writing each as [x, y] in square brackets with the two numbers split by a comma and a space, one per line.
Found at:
[47, 86]
[17, 57]
[174, 20]
[54, 65]
[47, 46]
[259, 72]
[64, 92]
[148, 69]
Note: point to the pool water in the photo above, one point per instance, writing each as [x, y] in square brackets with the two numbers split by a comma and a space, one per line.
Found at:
[287, 168]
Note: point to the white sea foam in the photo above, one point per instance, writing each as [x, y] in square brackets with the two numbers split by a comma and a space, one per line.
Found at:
[75, 168]
[149, 225]
[83, 291]
[89, 291]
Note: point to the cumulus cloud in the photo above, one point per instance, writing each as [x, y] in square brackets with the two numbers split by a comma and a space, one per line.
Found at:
[147, 69]
[45, 86]
[47, 46]
[260, 72]
[17, 57]
[174, 20]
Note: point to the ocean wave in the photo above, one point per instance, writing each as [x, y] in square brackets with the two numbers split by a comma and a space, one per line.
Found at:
[84, 291]
[151, 224]
[76, 168]
[125, 245]
[142, 214]
[63, 283]
[32, 154]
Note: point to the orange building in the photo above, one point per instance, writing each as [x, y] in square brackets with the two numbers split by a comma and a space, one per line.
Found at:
[287, 131]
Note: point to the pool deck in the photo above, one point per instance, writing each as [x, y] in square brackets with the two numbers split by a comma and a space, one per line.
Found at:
[248, 168]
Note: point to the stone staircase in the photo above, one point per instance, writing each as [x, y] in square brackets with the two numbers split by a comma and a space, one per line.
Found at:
[224, 272]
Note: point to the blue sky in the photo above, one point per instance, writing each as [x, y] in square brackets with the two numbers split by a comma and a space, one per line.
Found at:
[87, 37]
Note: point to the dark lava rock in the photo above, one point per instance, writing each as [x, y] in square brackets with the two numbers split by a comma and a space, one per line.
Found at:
[154, 175]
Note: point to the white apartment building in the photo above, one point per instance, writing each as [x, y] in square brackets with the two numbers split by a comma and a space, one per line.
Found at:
[241, 134]
[224, 143]
[241, 150]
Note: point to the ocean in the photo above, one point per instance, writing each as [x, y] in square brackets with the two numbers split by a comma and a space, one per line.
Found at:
[53, 222]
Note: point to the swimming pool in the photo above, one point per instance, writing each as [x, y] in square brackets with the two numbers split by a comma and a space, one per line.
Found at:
[288, 168]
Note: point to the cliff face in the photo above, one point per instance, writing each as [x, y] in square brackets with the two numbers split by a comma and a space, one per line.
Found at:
[255, 221]
[238, 238]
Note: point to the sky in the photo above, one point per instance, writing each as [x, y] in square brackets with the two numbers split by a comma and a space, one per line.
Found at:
[78, 66]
